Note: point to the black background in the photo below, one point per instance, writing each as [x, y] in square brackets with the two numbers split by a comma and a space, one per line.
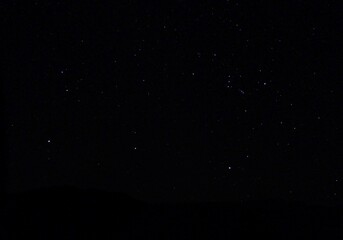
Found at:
[176, 101]
[101, 79]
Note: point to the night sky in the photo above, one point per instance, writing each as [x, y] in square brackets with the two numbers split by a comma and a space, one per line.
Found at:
[178, 101]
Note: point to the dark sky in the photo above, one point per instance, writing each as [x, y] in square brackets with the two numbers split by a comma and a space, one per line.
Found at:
[185, 101]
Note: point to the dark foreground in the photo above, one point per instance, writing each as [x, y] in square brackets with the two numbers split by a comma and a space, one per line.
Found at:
[75, 214]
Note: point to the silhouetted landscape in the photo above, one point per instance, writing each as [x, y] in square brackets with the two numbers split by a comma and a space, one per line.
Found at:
[71, 213]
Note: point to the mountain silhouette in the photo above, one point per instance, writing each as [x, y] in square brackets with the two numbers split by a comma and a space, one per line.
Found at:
[72, 213]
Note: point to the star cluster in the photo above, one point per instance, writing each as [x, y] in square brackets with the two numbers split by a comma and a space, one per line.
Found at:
[213, 100]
